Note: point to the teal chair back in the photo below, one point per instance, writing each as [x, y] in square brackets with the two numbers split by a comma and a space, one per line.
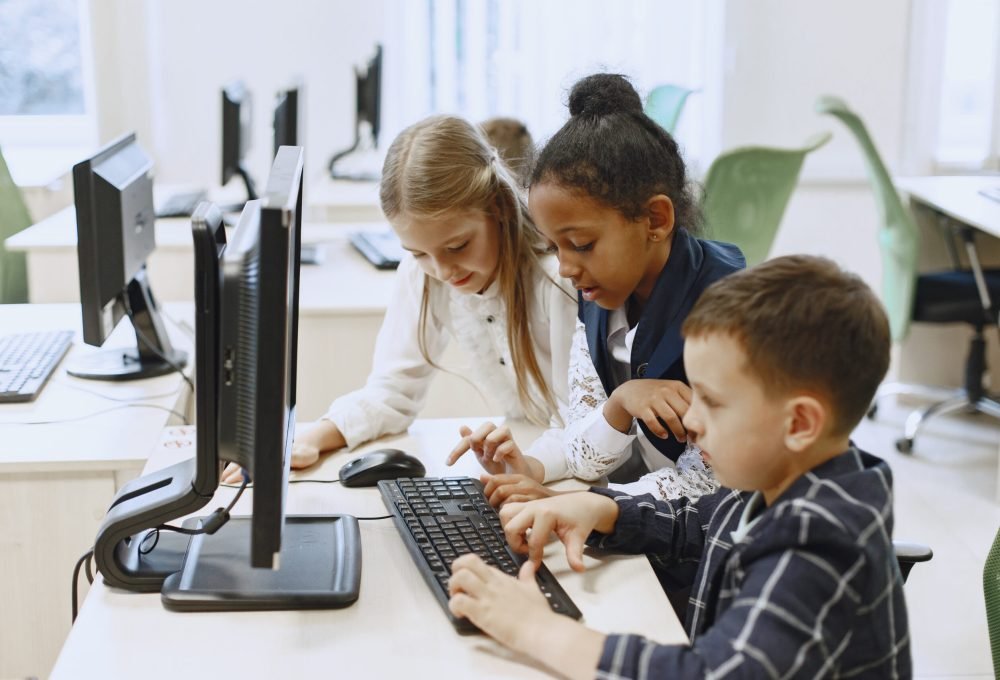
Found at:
[665, 103]
[13, 218]
[747, 190]
[898, 237]
[991, 589]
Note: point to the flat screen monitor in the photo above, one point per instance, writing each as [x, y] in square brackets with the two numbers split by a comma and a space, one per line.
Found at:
[113, 195]
[367, 121]
[369, 94]
[288, 118]
[246, 326]
[247, 297]
[237, 118]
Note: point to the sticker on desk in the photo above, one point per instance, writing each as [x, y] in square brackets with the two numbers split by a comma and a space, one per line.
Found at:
[181, 437]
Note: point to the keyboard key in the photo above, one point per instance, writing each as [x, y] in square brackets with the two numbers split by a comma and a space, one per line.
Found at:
[27, 361]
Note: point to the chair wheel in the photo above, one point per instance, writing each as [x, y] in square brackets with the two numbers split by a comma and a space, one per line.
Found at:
[872, 410]
[904, 445]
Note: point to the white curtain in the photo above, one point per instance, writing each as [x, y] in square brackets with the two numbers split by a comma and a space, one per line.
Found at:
[484, 58]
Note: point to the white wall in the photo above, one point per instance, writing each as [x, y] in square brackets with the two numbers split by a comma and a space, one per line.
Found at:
[780, 56]
[161, 65]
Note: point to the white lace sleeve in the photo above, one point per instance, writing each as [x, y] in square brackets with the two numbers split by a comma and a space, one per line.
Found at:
[593, 448]
[691, 478]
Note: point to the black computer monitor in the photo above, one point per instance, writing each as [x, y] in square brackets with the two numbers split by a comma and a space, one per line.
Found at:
[246, 298]
[369, 94]
[288, 118]
[237, 118]
[113, 193]
[368, 112]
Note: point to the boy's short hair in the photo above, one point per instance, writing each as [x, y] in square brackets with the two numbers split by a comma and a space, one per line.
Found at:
[511, 139]
[805, 324]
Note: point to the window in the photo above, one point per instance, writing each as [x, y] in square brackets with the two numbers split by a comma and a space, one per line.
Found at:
[954, 102]
[484, 58]
[968, 114]
[46, 95]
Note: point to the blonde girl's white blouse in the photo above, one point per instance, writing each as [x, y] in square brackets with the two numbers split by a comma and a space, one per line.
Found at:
[397, 386]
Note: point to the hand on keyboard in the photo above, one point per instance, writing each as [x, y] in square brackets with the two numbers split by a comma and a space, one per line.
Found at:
[500, 489]
[571, 517]
[496, 603]
[441, 519]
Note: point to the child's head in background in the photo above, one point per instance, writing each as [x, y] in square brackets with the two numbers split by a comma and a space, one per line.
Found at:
[608, 190]
[511, 139]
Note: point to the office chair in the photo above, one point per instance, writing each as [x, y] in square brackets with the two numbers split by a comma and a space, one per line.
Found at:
[958, 295]
[746, 191]
[665, 103]
[908, 554]
[991, 591]
[14, 217]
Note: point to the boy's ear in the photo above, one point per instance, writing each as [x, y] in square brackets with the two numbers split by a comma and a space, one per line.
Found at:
[807, 418]
[660, 210]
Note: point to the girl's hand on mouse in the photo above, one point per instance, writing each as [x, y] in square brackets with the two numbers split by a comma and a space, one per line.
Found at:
[661, 404]
[494, 448]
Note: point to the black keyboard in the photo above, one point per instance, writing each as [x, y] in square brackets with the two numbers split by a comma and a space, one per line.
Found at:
[991, 192]
[181, 205]
[442, 518]
[27, 360]
[381, 248]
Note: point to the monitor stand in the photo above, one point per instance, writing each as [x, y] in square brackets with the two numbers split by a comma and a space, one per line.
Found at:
[319, 568]
[140, 362]
[360, 162]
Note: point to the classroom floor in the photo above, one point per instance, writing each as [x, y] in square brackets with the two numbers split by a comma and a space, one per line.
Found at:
[946, 497]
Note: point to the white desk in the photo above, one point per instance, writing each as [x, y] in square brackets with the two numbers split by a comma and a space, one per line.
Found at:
[53, 274]
[336, 200]
[341, 305]
[395, 629]
[57, 480]
[956, 198]
[959, 198]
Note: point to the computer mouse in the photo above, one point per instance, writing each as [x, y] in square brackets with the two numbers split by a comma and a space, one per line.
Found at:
[368, 469]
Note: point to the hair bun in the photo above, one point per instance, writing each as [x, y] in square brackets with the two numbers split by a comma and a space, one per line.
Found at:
[603, 94]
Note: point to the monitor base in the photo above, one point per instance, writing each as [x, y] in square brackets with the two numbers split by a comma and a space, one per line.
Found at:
[124, 364]
[320, 568]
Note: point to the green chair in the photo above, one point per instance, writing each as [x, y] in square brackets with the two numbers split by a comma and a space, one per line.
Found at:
[991, 590]
[899, 238]
[665, 103]
[747, 190]
[960, 295]
[13, 218]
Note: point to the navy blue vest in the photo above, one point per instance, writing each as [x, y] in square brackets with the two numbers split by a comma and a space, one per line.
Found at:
[658, 349]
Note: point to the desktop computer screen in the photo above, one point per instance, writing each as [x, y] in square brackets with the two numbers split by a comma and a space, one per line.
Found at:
[246, 337]
[259, 336]
[288, 118]
[237, 117]
[113, 193]
[367, 124]
[369, 94]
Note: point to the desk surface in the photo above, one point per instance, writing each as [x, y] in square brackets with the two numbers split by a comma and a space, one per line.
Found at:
[344, 283]
[58, 232]
[395, 629]
[116, 424]
[958, 197]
